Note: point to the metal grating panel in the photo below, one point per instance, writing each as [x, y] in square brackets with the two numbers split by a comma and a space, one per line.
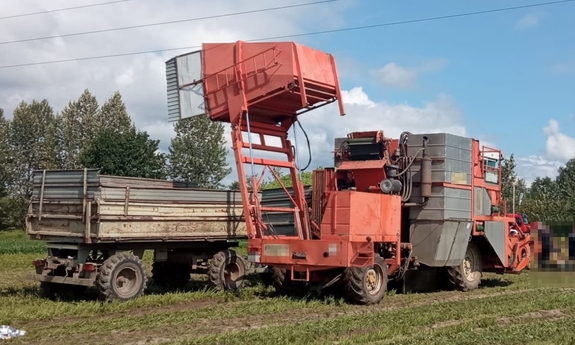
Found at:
[185, 101]
[451, 156]
[64, 184]
[170, 195]
[445, 203]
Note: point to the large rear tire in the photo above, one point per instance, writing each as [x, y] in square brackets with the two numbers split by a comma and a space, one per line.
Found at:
[122, 277]
[227, 271]
[466, 276]
[366, 285]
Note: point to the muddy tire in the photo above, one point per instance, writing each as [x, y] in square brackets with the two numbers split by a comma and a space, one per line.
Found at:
[122, 277]
[466, 276]
[267, 278]
[366, 285]
[170, 275]
[227, 271]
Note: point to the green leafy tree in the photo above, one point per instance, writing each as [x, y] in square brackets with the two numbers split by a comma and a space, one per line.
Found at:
[30, 147]
[234, 186]
[271, 183]
[82, 121]
[5, 172]
[78, 125]
[30, 141]
[113, 115]
[5, 154]
[125, 154]
[197, 153]
[508, 176]
[544, 202]
[566, 185]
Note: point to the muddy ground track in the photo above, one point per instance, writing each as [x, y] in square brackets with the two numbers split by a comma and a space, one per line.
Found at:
[391, 303]
[204, 327]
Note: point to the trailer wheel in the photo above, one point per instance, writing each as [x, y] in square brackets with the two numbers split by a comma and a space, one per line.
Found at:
[467, 276]
[227, 271]
[122, 277]
[170, 274]
[366, 285]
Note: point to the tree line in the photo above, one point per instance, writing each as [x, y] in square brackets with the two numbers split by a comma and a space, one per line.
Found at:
[550, 200]
[85, 134]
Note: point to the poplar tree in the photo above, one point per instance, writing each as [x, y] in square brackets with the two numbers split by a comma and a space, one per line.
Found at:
[197, 153]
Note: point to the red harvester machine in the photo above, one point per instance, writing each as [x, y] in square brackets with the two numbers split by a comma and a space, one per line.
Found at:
[388, 210]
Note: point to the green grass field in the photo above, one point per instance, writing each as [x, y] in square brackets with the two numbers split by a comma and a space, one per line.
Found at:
[505, 311]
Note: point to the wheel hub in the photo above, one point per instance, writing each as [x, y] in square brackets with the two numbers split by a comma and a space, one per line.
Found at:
[467, 267]
[231, 273]
[126, 281]
[372, 281]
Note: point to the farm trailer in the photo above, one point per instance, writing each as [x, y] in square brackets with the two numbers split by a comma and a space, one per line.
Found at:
[97, 228]
[388, 209]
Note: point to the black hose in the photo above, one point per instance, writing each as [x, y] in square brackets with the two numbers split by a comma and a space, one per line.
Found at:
[411, 162]
[308, 145]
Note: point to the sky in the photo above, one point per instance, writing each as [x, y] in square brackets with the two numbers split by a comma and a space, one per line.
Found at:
[506, 78]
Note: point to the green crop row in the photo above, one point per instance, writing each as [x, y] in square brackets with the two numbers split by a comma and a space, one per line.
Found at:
[17, 242]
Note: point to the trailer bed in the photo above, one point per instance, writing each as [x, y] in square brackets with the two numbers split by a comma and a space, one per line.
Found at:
[84, 206]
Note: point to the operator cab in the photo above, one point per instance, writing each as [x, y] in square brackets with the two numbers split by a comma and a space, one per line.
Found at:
[345, 180]
[525, 220]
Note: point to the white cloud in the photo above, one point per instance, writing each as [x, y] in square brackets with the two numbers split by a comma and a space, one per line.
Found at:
[534, 166]
[363, 114]
[433, 65]
[139, 78]
[564, 67]
[528, 21]
[558, 145]
[394, 75]
[559, 148]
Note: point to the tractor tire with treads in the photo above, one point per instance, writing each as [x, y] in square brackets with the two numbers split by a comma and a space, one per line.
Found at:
[227, 271]
[366, 285]
[122, 277]
[281, 281]
[466, 276]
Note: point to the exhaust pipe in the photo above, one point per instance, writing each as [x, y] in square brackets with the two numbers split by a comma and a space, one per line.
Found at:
[425, 172]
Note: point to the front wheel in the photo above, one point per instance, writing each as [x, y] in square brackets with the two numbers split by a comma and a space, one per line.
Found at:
[227, 271]
[466, 276]
[366, 285]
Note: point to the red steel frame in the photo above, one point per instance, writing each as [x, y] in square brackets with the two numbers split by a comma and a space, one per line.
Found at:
[252, 113]
[271, 112]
